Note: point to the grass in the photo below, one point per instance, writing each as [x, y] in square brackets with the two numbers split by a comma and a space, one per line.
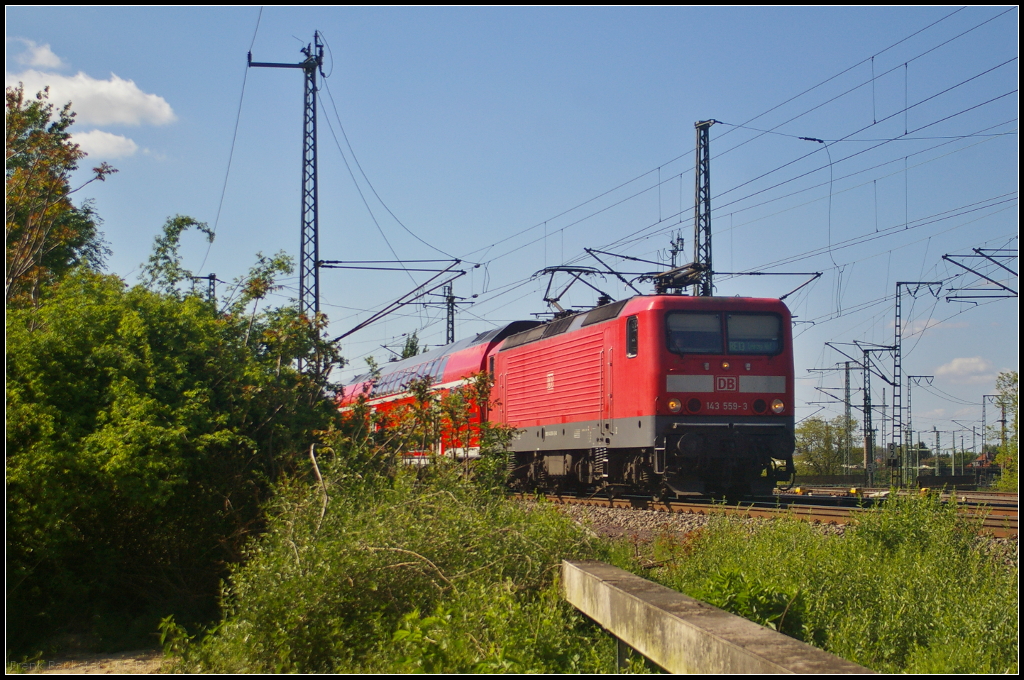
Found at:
[425, 571]
[910, 589]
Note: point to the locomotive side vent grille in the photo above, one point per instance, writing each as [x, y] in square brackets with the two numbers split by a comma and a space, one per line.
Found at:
[558, 327]
[524, 337]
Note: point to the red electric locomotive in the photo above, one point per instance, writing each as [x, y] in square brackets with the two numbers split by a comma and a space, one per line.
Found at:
[658, 394]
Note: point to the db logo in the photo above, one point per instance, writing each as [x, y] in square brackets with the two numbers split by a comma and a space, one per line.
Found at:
[726, 383]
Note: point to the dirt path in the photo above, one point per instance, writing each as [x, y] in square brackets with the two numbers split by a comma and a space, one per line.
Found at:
[139, 662]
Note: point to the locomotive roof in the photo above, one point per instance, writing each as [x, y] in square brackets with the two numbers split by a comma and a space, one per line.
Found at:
[566, 323]
[608, 312]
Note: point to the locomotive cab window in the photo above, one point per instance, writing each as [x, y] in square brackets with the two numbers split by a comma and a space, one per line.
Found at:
[694, 333]
[632, 336]
[754, 333]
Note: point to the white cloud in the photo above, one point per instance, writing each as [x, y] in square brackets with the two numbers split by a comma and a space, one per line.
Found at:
[100, 144]
[35, 55]
[98, 102]
[967, 370]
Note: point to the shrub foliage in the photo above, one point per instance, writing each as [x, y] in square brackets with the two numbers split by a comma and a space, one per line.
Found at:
[144, 432]
[386, 567]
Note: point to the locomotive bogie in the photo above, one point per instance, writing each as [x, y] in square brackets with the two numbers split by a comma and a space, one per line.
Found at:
[585, 470]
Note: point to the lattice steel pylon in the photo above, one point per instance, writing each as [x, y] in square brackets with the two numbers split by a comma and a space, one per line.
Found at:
[449, 303]
[897, 374]
[702, 209]
[309, 230]
[848, 414]
[869, 432]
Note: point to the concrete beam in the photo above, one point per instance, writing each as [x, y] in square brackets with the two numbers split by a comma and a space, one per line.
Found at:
[684, 635]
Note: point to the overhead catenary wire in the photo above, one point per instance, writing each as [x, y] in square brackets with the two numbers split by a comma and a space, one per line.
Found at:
[655, 169]
[845, 137]
[660, 224]
[860, 172]
[720, 207]
[896, 228]
[900, 138]
[873, 79]
[845, 158]
[231, 151]
[641, 235]
[853, 309]
[355, 159]
[361, 196]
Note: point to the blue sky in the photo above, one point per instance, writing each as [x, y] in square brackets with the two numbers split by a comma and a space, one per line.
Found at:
[515, 137]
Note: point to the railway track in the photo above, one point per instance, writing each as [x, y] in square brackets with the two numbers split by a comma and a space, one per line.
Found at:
[999, 523]
[996, 504]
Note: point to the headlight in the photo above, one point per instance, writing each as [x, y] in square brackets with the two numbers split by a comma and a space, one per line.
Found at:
[778, 406]
[675, 405]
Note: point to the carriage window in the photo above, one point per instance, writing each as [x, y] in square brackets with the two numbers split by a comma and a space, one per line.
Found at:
[692, 333]
[632, 336]
[754, 333]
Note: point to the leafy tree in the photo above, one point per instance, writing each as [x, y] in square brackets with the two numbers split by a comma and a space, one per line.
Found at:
[46, 234]
[257, 284]
[163, 271]
[144, 431]
[412, 346]
[1006, 386]
[820, 443]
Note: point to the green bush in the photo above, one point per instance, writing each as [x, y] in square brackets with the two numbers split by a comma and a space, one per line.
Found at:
[405, 570]
[910, 588]
[144, 432]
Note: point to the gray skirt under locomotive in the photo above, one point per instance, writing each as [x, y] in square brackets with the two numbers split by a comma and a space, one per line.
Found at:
[656, 455]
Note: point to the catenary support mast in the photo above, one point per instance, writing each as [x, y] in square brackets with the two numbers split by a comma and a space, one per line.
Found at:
[702, 210]
[901, 453]
[309, 228]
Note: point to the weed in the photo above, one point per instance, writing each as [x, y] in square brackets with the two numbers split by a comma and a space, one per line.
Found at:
[771, 606]
[910, 588]
[406, 569]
